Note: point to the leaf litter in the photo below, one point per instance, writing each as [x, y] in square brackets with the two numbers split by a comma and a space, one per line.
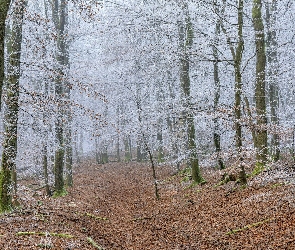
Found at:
[112, 206]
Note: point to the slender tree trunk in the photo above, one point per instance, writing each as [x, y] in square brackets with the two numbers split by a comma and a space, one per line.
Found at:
[127, 149]
[76, 150]
[154, 173]
[118, 149]
[160, 142]
[4, 7]
[44, 151]
[146, 146]
[238, 90]
[237, 55]
[64, 49]
[216, 134]
[160, 99]
[260, 95]
[97, 151]
[272, 63]
[104, 154]
[45, 169]
[80, 151]
[8, 184]
[138, 151]
[186, 34]
[69, 158]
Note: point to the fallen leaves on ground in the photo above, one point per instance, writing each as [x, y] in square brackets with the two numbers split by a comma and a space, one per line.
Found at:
[112, 206]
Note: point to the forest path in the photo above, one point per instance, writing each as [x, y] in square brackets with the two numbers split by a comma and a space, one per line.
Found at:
[114, 205]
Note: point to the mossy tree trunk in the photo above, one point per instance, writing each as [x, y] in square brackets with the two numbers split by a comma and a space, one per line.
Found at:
[59, 14]
[186, 35]
[8, 168]
[4, 7]
[272, 65]
[260, 94]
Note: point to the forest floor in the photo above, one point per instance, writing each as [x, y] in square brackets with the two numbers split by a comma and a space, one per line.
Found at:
[113, 206]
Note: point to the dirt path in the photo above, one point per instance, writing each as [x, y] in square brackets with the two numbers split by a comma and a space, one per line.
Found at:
[113, 205]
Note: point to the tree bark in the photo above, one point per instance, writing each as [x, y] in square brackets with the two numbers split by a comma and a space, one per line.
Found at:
[260, 95]
[45, 169]
[272, 72]
[186, 35]
[8, 185]
[59, 18]
[4, 7]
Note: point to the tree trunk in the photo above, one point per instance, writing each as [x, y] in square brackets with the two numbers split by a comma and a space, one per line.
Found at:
[45, 169]
[4, 7]
[186, 41]
[118, 149]
[237, 55]
[76, 150]
[104, 154]
[160, 141]
[8, 172]
[238, 90]
[138, 152]
[80, 151]
[97, 154]
[127, 149]
[69, 158]
[216, 134]
[59, 18]
[260, 95]
[272, 63]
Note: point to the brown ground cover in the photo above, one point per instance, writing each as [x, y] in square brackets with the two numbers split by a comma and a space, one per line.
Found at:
[113, 205]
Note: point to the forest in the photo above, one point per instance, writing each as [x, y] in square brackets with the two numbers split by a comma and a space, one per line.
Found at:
[148, 124]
